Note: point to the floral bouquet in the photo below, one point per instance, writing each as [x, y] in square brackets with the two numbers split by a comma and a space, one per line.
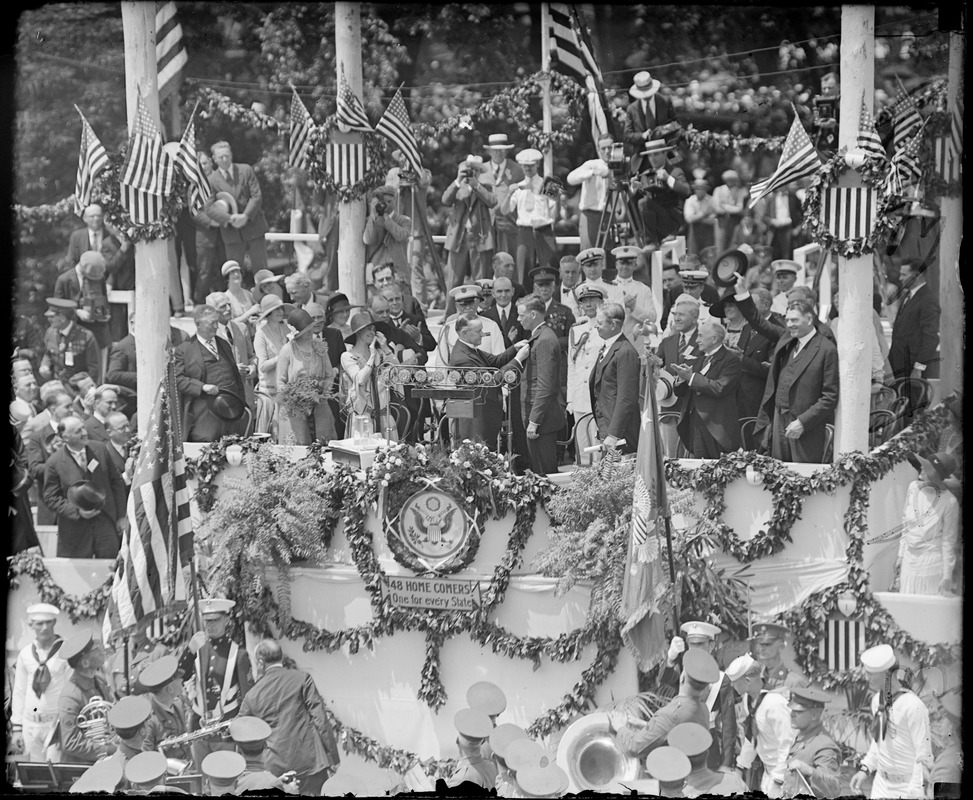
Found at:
[300, 396]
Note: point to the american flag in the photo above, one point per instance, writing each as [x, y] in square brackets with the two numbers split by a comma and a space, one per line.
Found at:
[301, 126]
[187, 159]
[351, 112]
[148, 171]
[92, 159]
[868, 138]
[572, 55]
[904, 169]
[907, 119]
[170, 52]
[394, 125]
[159, 541]
[849, 213]
[843, 643]
[948, 149]
[345, 162]
[646, 587]
[798, 160]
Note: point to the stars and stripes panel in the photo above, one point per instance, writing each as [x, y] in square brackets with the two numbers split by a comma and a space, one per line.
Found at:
[843, 643]
[346, 163]
[948, 149]
[849, 213]
[92, 159]
[907, 120]
[170, 51]
[148, 171]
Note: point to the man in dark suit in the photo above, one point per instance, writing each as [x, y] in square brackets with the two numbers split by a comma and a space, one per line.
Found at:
[82, 531]
[244, 231]
[412, 325]
[40, 443]
[85, 285]
[709, 424]
[504, 311]
[681, 347]
[802, 390]
[542, 392]
[753, 348]
[106, 401]
[488, 407]
[241, 342]
[205, 366]
[647, 110]
[99, 237]
[119, 433]
[122, 369]
[504, 266]
[772, 325]
[915, 332]
[614, 382]
[663, 192]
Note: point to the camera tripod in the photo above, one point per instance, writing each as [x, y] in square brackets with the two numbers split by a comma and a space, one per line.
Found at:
[620, 199]
[418, 216]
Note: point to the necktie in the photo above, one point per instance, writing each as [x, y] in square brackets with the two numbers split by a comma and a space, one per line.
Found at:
[96, 242]
[503, 318]
[226, 174]
[683, 344]
[42, 677]
[796, 350]
[229, 335]
[601, 353]
[211, 346]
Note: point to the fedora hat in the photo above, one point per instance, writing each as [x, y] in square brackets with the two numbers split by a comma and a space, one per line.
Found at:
[227, 405]
[86, 496]
[644, 86]
[271, 302]
[300, 321]
[358, 323]
[497, 141]
[736, 260]
[229, 199]
[665, 389]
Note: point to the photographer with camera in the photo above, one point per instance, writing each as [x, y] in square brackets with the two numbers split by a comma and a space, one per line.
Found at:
[595, 178]
[663, 190]
[534, 203]
[387, 235]
[469, 229]
[86, 286]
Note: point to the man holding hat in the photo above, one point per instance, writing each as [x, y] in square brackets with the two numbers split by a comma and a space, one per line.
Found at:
[85, 655]
[767, 644]
[387, 233]
[900, 754]
[814, 760]
[98, 237]
[224, 668]
[584, 349]
[594, 178]
[244, 231]
[681, 346]
[209, 379]
[240, 340]
[694, 741]
[785, 276]
[40, 674]
[535, 213]
[250, 734]
[506, 173]
[647, 111]
[663, 192]
[473, 728]
[68, 348]
[469, 227]
[85, 284]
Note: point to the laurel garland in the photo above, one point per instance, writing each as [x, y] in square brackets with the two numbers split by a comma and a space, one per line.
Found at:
[873, 173]
[31, 565]
[209, 464]
[377, 151]
[711, 140]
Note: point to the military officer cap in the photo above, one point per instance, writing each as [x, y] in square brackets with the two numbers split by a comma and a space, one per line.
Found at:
[543, 274]
[700, 666]
[690, 738]
[804, 698]
[526, 754]
[769, 632]
[214, 606]
[880, 658]
[159, 673]
[588, 290]
[249, 730]
[42, 612]
[503, 736]
[739, 667]
[146, 768]
[59, 305]
[591, 254]
[785, 265]
[529, 156]
[626, 251]
[465, 291]
[129, 713]
[549, 781]
[668, 765]
[486, 284]
[690, 276]
[223, 766]
[76, 646]
[700, 630]
[103, 776]
[487, 697]
[473, 723]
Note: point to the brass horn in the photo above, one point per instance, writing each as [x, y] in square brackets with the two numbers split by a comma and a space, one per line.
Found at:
[93, 721]
[591, 757]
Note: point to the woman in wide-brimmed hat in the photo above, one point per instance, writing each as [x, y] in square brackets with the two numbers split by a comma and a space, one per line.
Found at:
[271, 336]
[337, 310]
[240, 299]
[362, 383]
[303, 355]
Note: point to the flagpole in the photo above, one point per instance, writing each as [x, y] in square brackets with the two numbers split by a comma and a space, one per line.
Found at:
[546, 94]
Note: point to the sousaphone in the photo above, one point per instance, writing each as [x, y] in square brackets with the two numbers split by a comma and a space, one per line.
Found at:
[592, 759]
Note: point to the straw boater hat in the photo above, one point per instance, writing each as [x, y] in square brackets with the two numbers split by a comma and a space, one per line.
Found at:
[645, 86]
[657, 146]
[665, 389]
[228, 200]
[498, 141]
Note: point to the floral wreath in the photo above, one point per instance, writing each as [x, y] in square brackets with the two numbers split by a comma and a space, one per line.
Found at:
[376, 153]
[873, 173]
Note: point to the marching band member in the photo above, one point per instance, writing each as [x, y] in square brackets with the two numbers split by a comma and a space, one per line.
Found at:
[163, 685]
[86, 657]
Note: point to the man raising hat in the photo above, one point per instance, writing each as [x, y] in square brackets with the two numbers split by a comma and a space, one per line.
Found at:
[40, 674]
[534, 212]
[506, 173]
[814, 760]
[86, 656]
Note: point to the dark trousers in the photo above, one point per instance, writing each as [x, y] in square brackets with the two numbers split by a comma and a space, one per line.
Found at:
[701, 443]
[535, 247]
[808, 449]
[209, 258]
[660, 220]
[257, 248]
[543, 453]
[205, 426]
[98, 539]
[459, 268]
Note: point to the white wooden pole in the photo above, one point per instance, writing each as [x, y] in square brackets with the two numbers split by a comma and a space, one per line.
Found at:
[952, 323]
[151, 258]
[855, 332]
[351, 215]
[546, 96]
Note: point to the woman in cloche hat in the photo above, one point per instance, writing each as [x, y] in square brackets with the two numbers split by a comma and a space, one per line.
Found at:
[362, 381]
[270, 337]
[304, 356]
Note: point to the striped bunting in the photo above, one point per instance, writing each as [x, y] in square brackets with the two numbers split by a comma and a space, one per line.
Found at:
[868, 138]
[92, 159]
[170, 52]
[394, 125]
[849, 213]
[301, 126]
[843, 643]
[351, 112]
[187, 159]
[798, 159]
[148, 171]
[345, 163]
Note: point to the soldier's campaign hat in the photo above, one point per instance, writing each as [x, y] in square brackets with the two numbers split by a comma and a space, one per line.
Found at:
[740, 666]
[487, 697]
[879, 658]
[769, 631]
[129, 713]
[86, 496]
[785, 265]
[503, 736]
[42, 612]
[247, 730]
[591, 254]
[159, 673]
[146, 768]
[529, 156]
[227, 405]
[668, 765]
[549, 781]
[700, 629]
[223, 766]
[527, 753]
[262, 276]
[59, 305]
[586, 291]
[498, 141]
[92, 265]
[212, 606]
[76, 646]
[690, 738]
[626, 251]
[466, 291]
[804, 698]
[700, 666]
[230, 266]
[103, 776]
[543, 274]
[341, 785]
[473, 723]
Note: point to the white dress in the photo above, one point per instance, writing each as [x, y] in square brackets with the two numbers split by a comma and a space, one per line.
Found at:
[928, 544]
[899, 758]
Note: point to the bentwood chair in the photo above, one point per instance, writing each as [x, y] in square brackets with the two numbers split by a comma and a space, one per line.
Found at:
[828, 456]
[585, 435]
[747, 424]
[880, 427]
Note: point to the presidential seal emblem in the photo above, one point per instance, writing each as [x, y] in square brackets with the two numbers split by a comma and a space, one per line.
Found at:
[433, 528]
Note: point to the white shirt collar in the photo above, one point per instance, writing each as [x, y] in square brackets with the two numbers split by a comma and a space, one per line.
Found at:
[624, 281]
[806, 338]
[610, 342]
[98, 417]
[206, 344]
